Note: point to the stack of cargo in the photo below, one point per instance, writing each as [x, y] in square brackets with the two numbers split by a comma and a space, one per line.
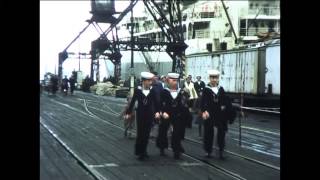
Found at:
[93, 88]
[106, 89]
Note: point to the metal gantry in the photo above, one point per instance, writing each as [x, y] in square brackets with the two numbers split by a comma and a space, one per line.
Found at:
[171, 28]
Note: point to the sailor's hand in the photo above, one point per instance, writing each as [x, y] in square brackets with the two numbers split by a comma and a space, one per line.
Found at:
[157, 115]
[223, 108]
[165, 115]
[205, 115]
[127, 116]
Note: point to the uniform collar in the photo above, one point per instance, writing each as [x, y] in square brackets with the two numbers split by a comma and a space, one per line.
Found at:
[140, 87]
[178, 90]
[210, 87]
[172, 92]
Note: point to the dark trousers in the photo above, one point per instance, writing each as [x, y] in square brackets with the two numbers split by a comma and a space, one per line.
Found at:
[200, 129]
[54, 89]
[143, 132]
[177, 134]
[209, 136]
[72, 89]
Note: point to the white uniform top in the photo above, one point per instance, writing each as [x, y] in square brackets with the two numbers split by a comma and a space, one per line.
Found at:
[145, 91]
[215, 89]
[174, 94]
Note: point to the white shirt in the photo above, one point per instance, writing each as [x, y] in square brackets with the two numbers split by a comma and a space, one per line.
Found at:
[174, 94]
[215, 90]
[146, 91]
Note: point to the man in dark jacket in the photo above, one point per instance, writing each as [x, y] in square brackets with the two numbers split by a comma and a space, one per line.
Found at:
[65, 85]
[72, 82]
[216, 111]
[199, 85]
[54, 83]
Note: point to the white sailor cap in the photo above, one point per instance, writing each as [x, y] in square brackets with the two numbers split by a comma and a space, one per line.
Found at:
[173, 75]
[146, 75]
[213, 72]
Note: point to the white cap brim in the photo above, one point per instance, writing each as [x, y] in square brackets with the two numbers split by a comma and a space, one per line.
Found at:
[213, 72]
[146, 75]
[173, 75]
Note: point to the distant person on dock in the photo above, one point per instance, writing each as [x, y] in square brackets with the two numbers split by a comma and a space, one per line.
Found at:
[86, 84]
[163, 81]
[199, 85]
[72, 82]
[65, 85]
[193, 96]
[54, 83]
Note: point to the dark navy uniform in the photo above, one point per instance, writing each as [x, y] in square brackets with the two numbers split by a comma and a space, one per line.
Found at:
[145, 113]
[64, 85]
[54, 84]
[219, 107]
[175, 105]
[157, 86]
[72, 82]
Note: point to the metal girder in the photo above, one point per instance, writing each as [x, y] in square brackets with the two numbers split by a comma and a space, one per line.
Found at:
[172, 29]
[161, 20]
[229, 20]
[121, 16]
[99, 49]
[147, 59]
[103, 45]
[64, 55]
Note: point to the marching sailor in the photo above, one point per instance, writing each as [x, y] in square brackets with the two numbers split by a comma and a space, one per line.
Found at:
[145, 113]
[217, 111]
[174, 109]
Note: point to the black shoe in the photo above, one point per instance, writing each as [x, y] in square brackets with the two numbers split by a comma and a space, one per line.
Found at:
[221, 155]
[162, 152]
[176, 155]
[181, 149]
[208, 155]
[141, 157]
